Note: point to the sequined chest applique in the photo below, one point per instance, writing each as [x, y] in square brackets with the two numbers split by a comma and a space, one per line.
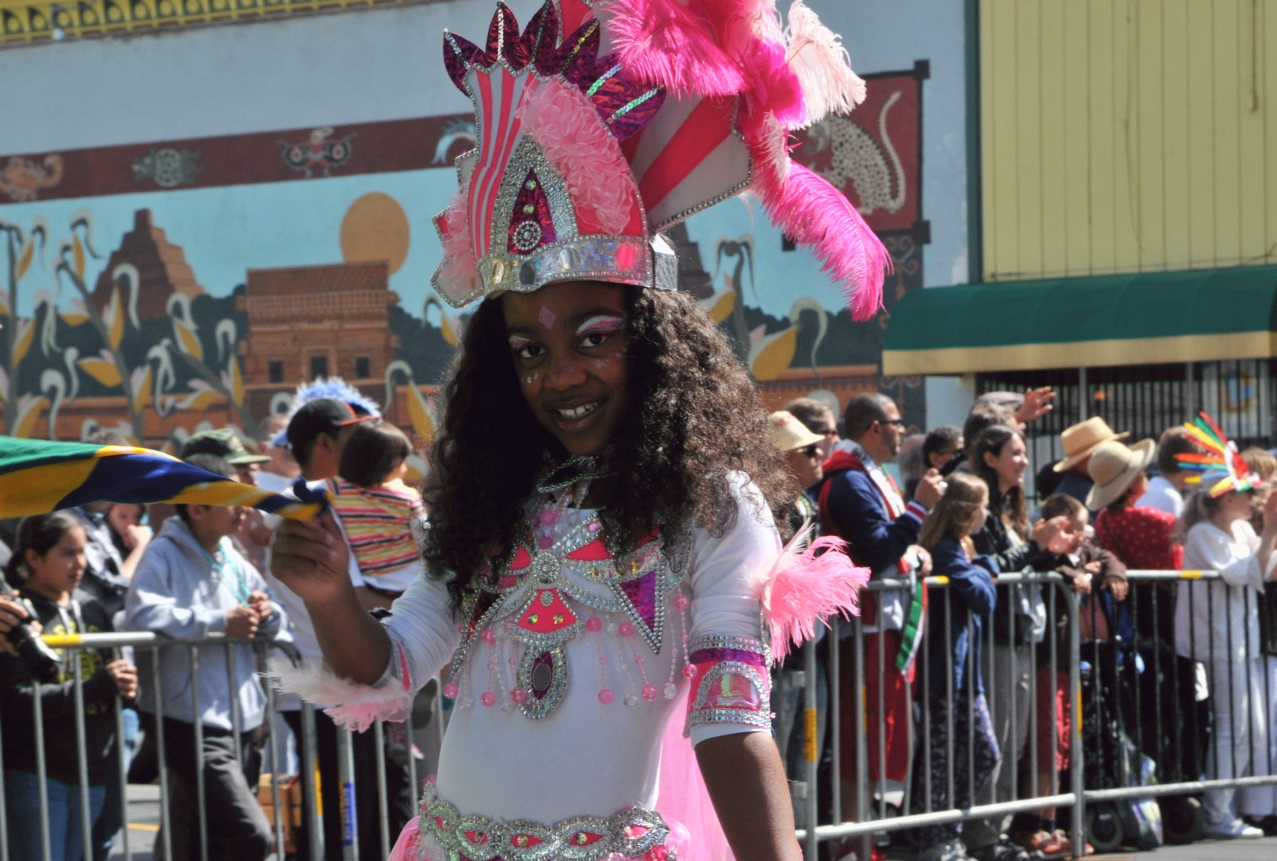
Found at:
[548, 593]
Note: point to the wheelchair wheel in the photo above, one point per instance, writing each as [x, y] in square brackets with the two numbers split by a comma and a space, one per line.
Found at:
[1103, 828]
[1183, 819]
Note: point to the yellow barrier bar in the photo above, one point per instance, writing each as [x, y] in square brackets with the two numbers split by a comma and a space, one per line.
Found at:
[1190, 575]
[941, 580]
[60, 640]
[810, 749]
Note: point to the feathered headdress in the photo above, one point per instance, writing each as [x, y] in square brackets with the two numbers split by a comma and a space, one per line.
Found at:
[582, 159]
[1219, 467]
[326, 387]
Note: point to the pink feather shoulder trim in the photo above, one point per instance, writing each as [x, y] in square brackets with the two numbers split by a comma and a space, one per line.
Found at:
[357, 706]
[805, 585]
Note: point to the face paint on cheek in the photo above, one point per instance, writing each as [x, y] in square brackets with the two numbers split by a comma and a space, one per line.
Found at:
[546, 318]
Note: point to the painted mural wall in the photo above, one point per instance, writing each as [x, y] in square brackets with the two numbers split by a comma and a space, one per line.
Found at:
[198, 220]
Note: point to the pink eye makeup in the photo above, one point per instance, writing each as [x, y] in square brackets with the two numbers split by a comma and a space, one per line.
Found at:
[600, 324]
[518, 343]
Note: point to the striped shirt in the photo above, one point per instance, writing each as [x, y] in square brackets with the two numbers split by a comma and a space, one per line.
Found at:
[378, 523]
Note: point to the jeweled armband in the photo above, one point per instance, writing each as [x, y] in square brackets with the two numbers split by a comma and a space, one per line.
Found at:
[731, 682]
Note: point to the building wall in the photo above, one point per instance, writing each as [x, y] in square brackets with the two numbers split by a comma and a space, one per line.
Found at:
[1127, 136]
[187, 123]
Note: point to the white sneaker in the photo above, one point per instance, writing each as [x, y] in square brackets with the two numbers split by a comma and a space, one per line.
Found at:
[1233, 830]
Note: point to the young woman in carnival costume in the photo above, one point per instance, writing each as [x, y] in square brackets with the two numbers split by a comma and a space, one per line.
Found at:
[604, 497]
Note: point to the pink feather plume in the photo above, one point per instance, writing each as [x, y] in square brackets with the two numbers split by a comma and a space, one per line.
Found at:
[573, 137]
[816, 215]
[674, 45]
[801, 587]
[823, 67]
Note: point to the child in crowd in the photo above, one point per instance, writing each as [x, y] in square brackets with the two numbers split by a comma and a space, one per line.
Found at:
[954, 689]
[190, 583]
[127, 529]
[1087, 570]
[46, 567]
[377, 510]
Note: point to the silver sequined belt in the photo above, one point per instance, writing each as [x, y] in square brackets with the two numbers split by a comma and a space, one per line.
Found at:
[634, 831]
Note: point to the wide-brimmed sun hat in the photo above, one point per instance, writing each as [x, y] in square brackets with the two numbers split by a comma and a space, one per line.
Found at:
[1082, 439]
[1113, 467]
[791, 434]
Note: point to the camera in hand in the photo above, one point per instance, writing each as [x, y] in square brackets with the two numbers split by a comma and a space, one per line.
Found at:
[42, 662]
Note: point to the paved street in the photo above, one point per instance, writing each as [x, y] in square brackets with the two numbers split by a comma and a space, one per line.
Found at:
[144, 817]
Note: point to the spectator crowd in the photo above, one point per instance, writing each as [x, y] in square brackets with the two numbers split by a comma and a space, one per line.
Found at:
[959, 686]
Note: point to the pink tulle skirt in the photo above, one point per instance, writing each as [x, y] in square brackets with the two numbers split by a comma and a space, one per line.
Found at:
[683, 801]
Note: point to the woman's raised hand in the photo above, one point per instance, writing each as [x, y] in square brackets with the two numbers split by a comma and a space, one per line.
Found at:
[312, 559]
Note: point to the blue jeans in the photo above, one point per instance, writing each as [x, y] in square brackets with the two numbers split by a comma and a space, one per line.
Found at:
[22, 804]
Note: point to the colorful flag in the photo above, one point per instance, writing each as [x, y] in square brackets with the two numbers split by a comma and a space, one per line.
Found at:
[39, 476]
[915, 626]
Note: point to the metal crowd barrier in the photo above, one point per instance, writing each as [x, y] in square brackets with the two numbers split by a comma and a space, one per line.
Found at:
[1137, 682]
[147, 647]
[1143, 700]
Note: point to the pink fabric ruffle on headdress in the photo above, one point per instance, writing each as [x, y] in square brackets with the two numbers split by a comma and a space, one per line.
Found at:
[567, 125]
[803, 586]
[458, 273]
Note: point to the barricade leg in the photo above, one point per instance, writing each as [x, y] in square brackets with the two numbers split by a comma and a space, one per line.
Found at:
[346, 779]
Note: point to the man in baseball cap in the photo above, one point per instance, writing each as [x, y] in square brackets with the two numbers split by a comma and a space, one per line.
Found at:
[225, 444]
[318, 431]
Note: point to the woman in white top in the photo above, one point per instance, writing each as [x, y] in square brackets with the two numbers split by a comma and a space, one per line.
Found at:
[1216, 623]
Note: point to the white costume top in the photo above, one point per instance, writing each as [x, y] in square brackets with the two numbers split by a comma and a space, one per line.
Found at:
[510, 752]
[1215, 620]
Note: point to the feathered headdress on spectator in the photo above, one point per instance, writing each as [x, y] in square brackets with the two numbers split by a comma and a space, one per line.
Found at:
[326, 387]
[581, 159]
[1219, 467]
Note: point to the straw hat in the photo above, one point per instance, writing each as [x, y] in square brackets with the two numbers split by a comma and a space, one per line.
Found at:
[789, 433]
[1082, 439]
[1113, 467]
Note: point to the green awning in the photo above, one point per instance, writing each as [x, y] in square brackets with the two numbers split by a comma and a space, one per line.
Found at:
[1149, 318]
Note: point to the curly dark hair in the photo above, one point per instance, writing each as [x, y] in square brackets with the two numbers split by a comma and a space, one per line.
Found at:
[694, 416]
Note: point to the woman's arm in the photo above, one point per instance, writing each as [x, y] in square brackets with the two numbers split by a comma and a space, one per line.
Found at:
[746, 782]
[311, 559]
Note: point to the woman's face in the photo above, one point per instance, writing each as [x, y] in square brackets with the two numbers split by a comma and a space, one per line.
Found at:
[58, 571]
[568, 341]
[804, 465]
[123, 515]
[1234, 505]
[1010, 463]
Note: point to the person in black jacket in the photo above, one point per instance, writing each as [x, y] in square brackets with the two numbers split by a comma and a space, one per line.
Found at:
[956, 714]
[999, 456]
[47, 566]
